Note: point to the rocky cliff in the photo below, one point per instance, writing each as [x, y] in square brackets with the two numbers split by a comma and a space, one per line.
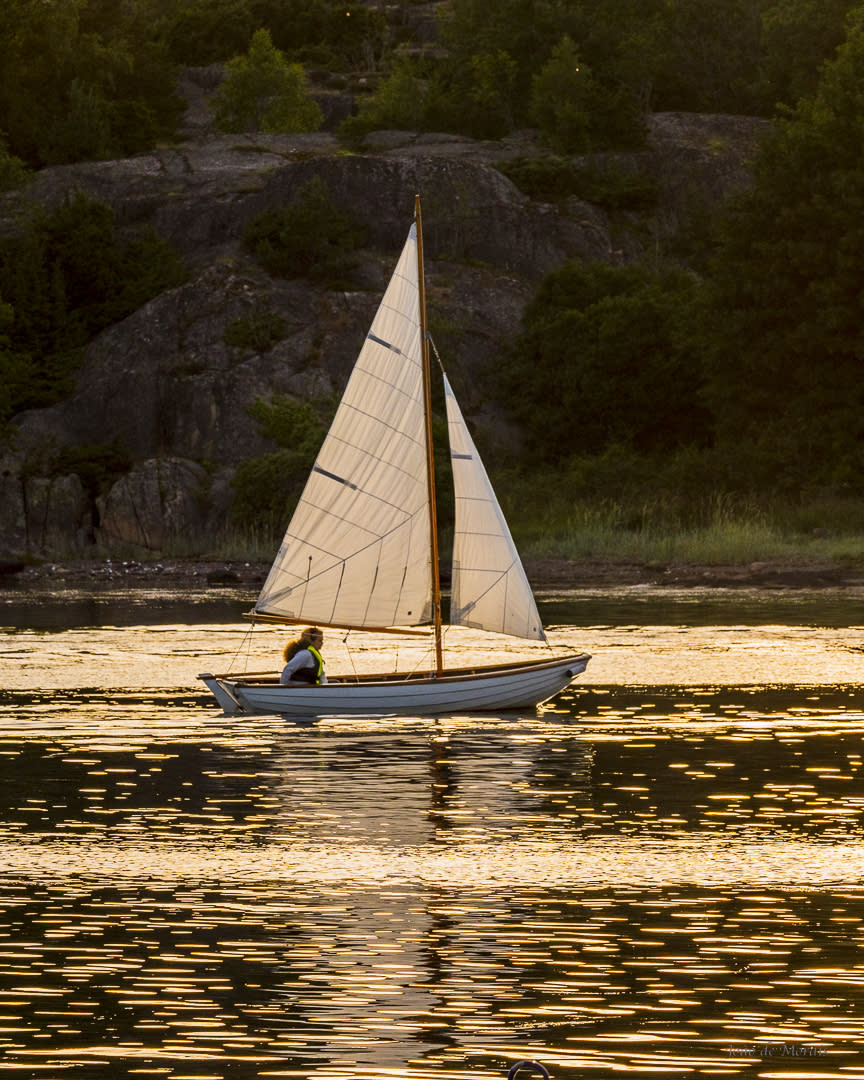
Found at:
[165, 385]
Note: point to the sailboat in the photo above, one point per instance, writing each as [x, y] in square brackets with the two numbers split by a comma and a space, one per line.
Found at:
[361, 550]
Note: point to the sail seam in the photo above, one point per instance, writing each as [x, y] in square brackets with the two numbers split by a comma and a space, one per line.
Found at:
[335, 437]
[372, 377]
[337, 560]
[375, 537]
[369, 495]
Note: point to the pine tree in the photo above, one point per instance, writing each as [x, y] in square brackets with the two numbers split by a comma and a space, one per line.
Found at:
[264, 92]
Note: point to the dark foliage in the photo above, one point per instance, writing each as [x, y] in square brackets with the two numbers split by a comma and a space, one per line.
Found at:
[97, 465]
[603, 360]
[552, 179]
[320, 32]
[784, 345]
[67, 276]
[267, 488]
[309, 237]
[258, 332]
[83, 79]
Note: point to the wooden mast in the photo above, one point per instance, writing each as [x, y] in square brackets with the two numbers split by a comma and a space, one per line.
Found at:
[430, 456]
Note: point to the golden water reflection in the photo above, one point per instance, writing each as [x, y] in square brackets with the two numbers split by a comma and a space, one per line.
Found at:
[661, 878]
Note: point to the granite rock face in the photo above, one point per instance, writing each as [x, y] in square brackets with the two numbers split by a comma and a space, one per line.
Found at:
[158, 501]
[165, 385]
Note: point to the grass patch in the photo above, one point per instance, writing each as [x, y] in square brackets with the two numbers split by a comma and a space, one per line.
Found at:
[722, 532]
[718, 533]
[687, 507]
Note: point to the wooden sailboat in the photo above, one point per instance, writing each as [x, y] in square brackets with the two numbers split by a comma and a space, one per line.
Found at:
[361, 551]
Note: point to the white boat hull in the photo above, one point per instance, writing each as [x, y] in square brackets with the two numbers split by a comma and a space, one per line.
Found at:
[491, 689]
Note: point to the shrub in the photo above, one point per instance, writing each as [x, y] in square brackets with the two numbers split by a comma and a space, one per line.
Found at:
[258, 332]
[308, 238]
[264, 92]
[12, 170]
[398, 103]
[266, 488]
[552, 179]
[97, 465]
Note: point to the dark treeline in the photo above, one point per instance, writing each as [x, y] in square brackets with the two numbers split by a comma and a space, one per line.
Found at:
[742, 357]
[85, 79]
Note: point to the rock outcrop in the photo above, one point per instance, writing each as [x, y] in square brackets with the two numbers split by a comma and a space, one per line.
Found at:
[165, 384]
[157, 501]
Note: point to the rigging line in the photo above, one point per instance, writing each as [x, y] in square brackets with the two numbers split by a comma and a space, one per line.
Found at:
[336, 593]
[247, 641]
[437, 357]
[350, 655]
[426, 655]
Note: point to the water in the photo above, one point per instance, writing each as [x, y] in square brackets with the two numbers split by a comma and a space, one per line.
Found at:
[661, 875]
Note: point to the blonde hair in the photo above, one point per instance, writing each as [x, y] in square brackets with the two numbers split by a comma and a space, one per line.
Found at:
[302, 642]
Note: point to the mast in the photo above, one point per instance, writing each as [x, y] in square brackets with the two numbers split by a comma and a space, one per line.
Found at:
[430, 457]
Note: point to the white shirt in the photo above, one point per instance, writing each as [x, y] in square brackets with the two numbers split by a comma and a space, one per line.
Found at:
[301, 659]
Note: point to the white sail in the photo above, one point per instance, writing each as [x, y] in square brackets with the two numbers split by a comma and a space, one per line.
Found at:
[356, 552]
[489, 589]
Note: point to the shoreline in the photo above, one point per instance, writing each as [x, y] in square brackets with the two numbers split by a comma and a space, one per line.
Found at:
[543, 573]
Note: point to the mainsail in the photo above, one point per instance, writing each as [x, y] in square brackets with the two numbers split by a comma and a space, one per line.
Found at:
[356, 552]
[489, 589]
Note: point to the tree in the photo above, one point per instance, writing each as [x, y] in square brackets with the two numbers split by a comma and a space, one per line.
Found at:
[83, 79]
[712, 56]
[495, 54]
[561, 99]
[786, 297]
[13, 366]
[67, 275]
[603, 360]
[399, 102]
[336, 35]
[798, 36]
[264, 92]
[208, 31]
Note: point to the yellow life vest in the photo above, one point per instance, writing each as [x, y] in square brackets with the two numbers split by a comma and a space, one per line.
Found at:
[319, 661]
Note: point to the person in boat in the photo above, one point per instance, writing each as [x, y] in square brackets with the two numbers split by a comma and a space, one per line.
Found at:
[304, 664]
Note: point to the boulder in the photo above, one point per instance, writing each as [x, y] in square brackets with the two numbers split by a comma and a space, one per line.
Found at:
[42, 514]
[159, 500]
